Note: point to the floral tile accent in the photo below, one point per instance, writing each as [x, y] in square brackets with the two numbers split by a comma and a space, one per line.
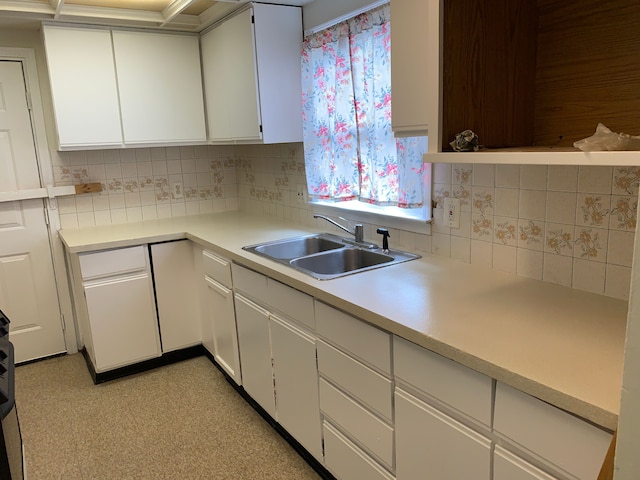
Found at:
[531, 235]
[115, 185]
[68, 174]
[190, 193]
[595, 209]
[626, 180]
[130, 185]
[205, 193]
[623, 213]
[505, 231]
[483, 202]
[559, 239]
[462, 175]
[590, 244]
[146, 183]
[481, 227]
[464, 194]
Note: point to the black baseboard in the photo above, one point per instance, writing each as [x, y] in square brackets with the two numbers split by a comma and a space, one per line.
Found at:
[165, 359]
[310, 459]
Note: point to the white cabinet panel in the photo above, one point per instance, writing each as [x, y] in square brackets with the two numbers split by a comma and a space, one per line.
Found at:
[506, 466]
[111, 262]
[429, 441]
[160, 87]
[123, 320]
[222, 321]
[456, 385]
[296, 377]
[255, 353]
[83, 86]
[252, 76]
[217, 268]
[176, 295]
[566, 441]
[346, 461]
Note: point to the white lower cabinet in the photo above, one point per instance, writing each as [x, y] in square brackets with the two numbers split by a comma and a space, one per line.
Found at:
[255, 353]
[431, 444]
[296, 380]
[118, 317]
[176, 295]
[219, 332]
[507, 466]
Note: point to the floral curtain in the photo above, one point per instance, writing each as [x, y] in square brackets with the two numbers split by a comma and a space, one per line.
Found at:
[350, 151]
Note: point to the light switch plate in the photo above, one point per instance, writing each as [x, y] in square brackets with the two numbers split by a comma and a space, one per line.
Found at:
[452, 212]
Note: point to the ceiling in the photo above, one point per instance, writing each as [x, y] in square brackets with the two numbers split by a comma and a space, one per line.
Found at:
[180, 15]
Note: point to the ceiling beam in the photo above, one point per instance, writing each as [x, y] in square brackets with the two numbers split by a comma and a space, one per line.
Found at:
[174, 9]
[57, 6]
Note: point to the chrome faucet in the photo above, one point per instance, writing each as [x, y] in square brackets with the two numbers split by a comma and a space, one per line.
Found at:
[358, 231]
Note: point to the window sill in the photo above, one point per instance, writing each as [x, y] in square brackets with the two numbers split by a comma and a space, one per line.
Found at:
[363, 213]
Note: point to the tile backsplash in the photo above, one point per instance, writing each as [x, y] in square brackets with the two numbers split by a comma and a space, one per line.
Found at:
[568, 225]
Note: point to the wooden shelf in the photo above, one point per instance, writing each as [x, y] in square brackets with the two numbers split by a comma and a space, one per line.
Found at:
[537, 156]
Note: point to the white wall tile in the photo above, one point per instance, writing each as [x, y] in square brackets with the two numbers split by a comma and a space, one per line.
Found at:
[559, 239]
[589, 276]
[481, 253]
[626, 180]
[507, 202]
[620, 248]
[593, 209]
[533, 177]
[484, 175]
[563, 178]
[531, 234]
[505, 258]
[591, 244]
[557, 269]
[561, 207]
[618, 282]
[441, 244]
[530, 263]
[533, 204]
[461, 249]
[595, 179]
[508, 176]
[505, 230]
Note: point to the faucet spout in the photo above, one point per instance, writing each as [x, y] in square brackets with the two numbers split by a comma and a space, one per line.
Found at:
[358, 232]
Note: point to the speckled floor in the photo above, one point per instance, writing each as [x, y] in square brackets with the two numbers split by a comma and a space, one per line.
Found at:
[182, 421]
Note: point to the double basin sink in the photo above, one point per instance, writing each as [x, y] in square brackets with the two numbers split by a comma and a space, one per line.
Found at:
[325, 256]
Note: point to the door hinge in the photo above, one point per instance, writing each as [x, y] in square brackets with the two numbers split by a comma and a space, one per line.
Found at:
[64, 325]
[253, 19]
[46, 216]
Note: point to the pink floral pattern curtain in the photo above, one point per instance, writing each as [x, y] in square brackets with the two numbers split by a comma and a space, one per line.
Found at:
[350, 151]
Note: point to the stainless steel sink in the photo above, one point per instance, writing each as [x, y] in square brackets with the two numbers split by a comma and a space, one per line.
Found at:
[325, 256]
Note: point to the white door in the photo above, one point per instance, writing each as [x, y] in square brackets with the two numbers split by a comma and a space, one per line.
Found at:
[28, 294]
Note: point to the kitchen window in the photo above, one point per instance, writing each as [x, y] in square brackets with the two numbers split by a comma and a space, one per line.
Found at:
[353, 162]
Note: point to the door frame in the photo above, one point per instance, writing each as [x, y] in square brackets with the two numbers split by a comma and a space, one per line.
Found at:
[27, 57]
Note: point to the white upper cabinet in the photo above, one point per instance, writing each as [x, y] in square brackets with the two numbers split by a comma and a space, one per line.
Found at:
[83, 85]
[160, 86]
[252, 80]
[124, 88]
[528, 84]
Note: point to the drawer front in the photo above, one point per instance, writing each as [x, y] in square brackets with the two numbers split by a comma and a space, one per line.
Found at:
[560, 438]
[453, 384]
[291, 302]
[371, 388]
[375, 435]
[346, 461]
[252, 284]
[217, 268]
[369, 344]
[506, 466]
[110, 262]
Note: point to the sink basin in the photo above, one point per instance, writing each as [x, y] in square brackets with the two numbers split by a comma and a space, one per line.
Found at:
[298, 247]
[340, 261]
[325, 256]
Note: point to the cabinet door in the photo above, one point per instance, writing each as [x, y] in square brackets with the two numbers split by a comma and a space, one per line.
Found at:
[255, 353]
[415, 77]
[176, 295]
[160, 85]
[83, 86]
[429, 441]
[231, 88]
[123, 322]
[507, 466]
[296, 377]
[222, 321]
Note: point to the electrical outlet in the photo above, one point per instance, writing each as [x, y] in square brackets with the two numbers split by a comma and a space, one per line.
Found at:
[301, 194]
[452, 212]
[176, 191]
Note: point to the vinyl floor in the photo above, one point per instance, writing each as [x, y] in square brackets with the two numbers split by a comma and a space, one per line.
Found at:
[182, 421]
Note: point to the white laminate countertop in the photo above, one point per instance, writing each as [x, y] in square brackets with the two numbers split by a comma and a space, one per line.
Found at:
[562, 345]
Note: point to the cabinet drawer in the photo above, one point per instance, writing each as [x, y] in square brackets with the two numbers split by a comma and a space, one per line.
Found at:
[217, 268]
[291, 302]
[455, 385]
[109, 262]
[506, 466]
[346, 461]
[368, 386]
[371, 345]
[251, 283]
[567, 442]
[375, 435]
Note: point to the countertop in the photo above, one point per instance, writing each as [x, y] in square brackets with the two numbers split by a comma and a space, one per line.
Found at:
[562, 345]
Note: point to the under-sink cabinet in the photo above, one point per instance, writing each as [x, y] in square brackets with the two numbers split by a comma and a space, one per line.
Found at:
[277, 347]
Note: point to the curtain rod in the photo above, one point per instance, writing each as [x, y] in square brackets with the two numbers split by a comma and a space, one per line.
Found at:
[346, 16]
